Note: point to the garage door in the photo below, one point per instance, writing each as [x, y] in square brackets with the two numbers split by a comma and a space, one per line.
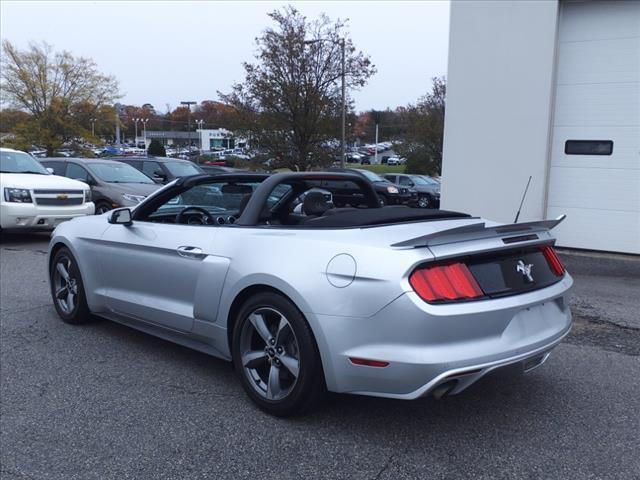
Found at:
[595, 156]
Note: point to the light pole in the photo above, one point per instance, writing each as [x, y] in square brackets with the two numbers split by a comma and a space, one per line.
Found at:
[144, 131]
[376, 118]
[188, 105]
[342, 44]
[93, 126]
[344, 108]
[135, 137]
[199, 123]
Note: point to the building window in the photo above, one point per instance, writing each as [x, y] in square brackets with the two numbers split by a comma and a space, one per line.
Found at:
[588, 147]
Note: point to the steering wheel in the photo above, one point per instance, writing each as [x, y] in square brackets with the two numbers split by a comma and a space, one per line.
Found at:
[204, 219]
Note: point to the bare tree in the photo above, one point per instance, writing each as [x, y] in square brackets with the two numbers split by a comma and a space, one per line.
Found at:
[52, 87]
[289, 102]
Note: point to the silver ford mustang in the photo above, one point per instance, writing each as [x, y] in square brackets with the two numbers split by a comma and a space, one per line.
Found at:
[337, 294]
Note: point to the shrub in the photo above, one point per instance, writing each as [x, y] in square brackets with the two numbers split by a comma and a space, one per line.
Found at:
[156, 149]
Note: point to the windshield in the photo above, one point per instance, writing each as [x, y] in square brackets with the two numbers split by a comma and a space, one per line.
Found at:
[182, 169]
[372, 177]
[216, 198]
[118, 173]
[20, 162]
[420, 180]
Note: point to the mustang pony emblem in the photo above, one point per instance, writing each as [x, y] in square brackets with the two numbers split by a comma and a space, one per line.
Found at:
[525, 270]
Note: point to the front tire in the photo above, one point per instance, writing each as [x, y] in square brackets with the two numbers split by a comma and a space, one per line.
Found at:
[424, 202]
[102, 207]
[383, 200]
[67, 288]
[276, 357]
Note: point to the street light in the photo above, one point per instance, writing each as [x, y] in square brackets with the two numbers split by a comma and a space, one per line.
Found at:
[340, 42]
[199, 123]
[188, 104]
[93, 126]
[144, 130]
[135, 137]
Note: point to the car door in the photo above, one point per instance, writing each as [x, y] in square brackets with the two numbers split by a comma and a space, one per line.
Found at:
[58, 167]
[76, 172]
[404, 181]
[154, 170]
[158, 270]
[151, 270]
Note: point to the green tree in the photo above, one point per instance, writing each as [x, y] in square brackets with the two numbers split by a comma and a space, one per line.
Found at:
[53, 87]
[10, 118]
[289, 102]
[156, 149]
[424, 132]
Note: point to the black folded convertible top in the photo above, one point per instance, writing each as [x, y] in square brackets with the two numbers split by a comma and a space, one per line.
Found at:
[364, 217]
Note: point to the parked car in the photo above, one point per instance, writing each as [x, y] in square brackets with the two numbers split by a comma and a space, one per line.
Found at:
[388, 193]
[395, 160]
[428, 190]
[163, 169]
[32, 198]
[113, 184]
[216, 169]
[394, 302]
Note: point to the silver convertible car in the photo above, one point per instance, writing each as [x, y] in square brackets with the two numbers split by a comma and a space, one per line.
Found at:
[303, 297]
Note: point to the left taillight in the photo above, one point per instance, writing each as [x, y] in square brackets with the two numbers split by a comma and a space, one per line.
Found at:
[441, 283]
[553, 260]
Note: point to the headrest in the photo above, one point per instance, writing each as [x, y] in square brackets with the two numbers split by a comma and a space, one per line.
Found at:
[315, 203]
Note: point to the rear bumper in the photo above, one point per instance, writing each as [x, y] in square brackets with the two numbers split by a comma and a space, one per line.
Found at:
[28, 216]
[430, 345]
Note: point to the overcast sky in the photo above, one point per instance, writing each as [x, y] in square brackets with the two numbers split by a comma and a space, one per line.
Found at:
[163, 52]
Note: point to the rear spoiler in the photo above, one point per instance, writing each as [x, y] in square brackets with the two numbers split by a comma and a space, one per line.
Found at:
[516, 232]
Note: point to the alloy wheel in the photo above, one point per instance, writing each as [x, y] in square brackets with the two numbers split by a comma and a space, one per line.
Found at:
[66, 285]
[423, 202]
[269, 353]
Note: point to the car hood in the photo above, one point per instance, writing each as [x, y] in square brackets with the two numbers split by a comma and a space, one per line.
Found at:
[135, 188]
[32, 181]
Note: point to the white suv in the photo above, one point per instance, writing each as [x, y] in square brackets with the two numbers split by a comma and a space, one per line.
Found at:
[32, 198]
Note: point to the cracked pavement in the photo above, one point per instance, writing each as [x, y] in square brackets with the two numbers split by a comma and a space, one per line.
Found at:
[103, 401]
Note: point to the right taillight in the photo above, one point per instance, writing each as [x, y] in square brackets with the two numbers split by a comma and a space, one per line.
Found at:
[445, 283]
[553, 260]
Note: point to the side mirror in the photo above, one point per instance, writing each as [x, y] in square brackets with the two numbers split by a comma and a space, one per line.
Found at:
[121, 216]
[51, 170]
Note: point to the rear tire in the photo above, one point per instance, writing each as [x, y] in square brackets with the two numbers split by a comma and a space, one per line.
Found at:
[67, 289]
[276, 357]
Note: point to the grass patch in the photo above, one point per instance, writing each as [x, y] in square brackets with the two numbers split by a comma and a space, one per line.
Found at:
[383, 168]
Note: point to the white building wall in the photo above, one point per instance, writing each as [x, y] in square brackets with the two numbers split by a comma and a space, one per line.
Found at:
[597, 98]
[498, 111]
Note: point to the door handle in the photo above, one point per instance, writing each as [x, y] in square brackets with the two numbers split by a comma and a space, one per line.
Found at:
[190, 252]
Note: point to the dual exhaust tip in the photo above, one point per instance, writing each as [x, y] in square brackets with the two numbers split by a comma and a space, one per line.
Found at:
[451, 382]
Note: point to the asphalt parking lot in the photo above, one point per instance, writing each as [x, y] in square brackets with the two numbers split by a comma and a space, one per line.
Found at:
[103, 401]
